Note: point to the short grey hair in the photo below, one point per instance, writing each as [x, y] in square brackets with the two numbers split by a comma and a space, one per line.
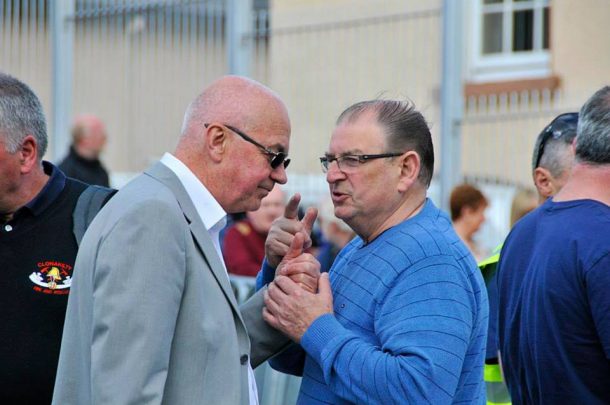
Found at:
[557, 157]
[405, 127]
[593, 139]
[552, 150]
[21, 115]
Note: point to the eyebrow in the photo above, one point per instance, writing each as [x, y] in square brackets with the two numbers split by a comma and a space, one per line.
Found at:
[344, 153]
[277, 148]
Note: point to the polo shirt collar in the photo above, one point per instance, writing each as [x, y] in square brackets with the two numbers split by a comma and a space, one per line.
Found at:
[50, 191]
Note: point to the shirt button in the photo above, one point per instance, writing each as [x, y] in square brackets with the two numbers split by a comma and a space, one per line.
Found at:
[243, 359]
[8, 228]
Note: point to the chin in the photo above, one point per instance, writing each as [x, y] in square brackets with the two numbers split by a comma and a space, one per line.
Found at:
[342, 213]
[252, 205]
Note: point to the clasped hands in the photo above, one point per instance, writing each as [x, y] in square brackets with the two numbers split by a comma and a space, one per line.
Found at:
[298, 294]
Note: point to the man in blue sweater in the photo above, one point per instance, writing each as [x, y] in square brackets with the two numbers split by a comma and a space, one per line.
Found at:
[402, 315]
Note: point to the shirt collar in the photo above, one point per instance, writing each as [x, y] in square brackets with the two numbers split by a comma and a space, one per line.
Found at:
[50, 191]
[211, 213]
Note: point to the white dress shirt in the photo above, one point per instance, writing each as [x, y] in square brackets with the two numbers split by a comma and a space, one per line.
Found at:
[214, 218]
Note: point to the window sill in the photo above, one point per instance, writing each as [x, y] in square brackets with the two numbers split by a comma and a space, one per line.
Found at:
[511, 86]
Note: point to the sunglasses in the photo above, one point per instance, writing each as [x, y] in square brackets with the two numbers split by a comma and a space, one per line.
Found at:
[563, 124]
[277, 158]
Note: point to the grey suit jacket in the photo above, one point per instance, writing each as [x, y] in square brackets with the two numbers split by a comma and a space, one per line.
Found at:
[151, 316]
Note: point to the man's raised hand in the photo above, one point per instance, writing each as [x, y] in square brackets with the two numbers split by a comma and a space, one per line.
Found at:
[284, 229]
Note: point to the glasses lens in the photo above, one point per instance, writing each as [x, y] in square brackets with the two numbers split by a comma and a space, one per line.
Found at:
[563, 126]
[565, 123]
[278, 159]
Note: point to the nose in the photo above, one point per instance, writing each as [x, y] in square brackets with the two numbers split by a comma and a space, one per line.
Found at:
[279, 174]
[333, 173]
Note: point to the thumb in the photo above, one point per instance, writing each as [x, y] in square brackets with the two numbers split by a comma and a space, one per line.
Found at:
[309, 219]
[296, 246]
[324, 285]
[292, 208]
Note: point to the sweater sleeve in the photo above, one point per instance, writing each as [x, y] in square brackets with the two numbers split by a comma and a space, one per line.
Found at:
[265, 275]
[422, 326]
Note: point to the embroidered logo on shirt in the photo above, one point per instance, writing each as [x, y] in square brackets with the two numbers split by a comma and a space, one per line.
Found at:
[52, 277]
[243, 228]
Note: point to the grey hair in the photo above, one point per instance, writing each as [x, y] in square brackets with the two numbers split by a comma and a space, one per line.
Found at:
[593, 139]
[557, 157]
[558, 137]
[21, 115]
[406, 129]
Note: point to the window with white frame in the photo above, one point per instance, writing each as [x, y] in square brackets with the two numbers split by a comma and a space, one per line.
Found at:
[510, 40]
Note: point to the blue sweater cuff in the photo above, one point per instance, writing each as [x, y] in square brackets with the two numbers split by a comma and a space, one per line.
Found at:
[319, 334]
[265, 276]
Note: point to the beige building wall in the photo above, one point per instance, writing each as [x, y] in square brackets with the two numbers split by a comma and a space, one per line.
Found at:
[137, 74]
[323, 55]
[327, 55]
[140, 87]
[26, 55]
[499, 130]
[580, 46]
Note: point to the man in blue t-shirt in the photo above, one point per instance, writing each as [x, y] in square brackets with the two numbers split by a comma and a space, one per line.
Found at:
[404, 317]
[552, 161]
[554, 277]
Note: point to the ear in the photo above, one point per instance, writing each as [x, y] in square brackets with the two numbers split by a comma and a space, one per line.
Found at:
[543, 182]
[409, 170]
[215, 142]
[28, 154]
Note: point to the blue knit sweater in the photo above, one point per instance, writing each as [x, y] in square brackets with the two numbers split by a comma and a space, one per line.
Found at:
[409, 323]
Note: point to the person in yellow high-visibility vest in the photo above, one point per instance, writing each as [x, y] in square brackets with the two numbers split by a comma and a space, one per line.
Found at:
[551, 163]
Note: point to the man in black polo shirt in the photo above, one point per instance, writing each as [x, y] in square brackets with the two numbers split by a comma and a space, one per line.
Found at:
[37, 249]
[83, 160]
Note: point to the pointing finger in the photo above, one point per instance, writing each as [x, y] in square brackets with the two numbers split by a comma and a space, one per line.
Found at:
[296, 247]
[292, 208]
[309, 219]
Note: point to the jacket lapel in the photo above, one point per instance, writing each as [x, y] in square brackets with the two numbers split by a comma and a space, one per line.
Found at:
[162, 173]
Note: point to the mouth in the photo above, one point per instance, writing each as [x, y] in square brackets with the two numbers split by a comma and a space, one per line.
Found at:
[338, 196]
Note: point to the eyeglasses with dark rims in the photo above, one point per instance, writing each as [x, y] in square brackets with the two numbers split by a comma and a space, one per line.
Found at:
[349, 162]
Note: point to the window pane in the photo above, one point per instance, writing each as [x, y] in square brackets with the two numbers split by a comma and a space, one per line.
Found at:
[523, 30]
[545, 29]
[492, 33]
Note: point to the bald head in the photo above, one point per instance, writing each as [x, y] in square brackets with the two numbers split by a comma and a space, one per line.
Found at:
[232, 131]
[88, 136]
[234, 100]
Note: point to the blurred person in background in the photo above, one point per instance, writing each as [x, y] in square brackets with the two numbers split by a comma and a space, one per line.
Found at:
[335, 234]
[552, 160]
[468, 205]
[83, 160]
[244, 241]
[524, 201]
[554, 277]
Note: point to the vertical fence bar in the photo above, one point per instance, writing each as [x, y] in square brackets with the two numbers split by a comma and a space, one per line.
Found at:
[451, 99]
[239, 38]
[63, 50]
